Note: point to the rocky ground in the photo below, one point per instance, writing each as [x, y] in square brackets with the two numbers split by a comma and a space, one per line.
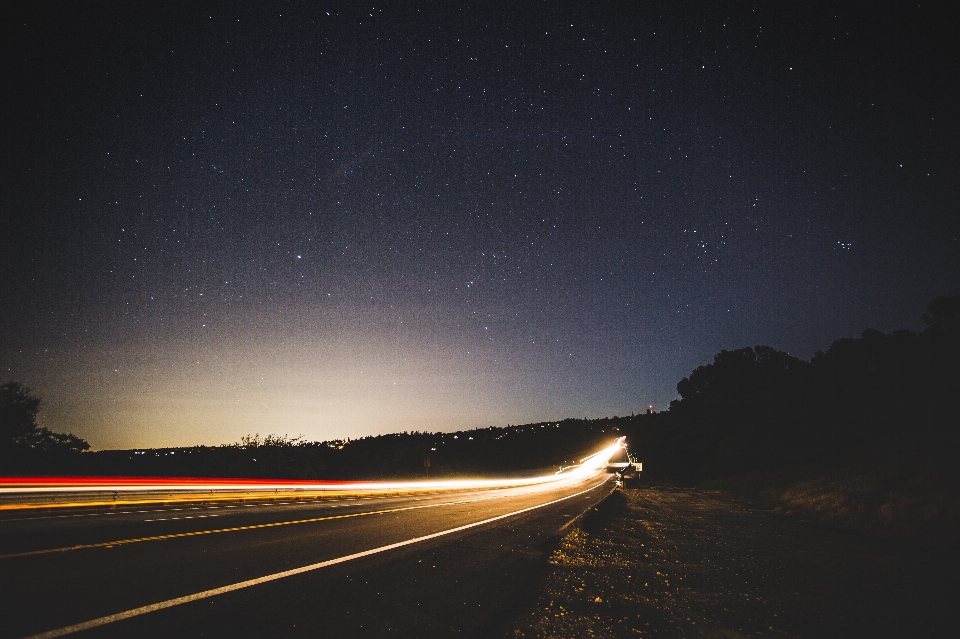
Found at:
[661, 562]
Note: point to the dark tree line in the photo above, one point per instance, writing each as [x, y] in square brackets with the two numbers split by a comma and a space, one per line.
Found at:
[531, 448]
[25, 445]
[756, 408]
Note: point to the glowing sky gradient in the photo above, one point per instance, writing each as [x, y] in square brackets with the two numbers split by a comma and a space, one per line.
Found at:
[334, 220]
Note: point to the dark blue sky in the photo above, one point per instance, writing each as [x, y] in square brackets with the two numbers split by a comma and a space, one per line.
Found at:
[338, 220]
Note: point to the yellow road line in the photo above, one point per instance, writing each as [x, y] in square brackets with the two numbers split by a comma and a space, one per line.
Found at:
[121, 542]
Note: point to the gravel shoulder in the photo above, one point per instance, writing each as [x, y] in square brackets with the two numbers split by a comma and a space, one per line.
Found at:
[662, 562]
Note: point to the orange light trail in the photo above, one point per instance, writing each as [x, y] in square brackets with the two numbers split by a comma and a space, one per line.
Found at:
[28, 492]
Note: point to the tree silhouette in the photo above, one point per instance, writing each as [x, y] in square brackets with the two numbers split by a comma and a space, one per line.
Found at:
[22, 441]
[943, 314]
[18, 414]
[739, 413]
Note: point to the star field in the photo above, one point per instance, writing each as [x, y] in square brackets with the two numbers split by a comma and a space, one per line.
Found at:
[337, 220]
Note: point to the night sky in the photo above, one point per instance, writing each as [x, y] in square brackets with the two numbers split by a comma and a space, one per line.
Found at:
[339, 220]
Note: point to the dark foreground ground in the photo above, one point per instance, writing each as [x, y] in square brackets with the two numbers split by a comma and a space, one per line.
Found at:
[660, 562]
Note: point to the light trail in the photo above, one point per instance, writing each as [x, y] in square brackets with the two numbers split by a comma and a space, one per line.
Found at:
[31, 492]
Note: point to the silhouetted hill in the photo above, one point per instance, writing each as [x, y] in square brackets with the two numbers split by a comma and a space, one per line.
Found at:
[486, 451]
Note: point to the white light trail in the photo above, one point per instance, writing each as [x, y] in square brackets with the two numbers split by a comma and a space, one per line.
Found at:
[588, 467]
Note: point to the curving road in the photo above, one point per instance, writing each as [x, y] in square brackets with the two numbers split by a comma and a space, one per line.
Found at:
[457, 562]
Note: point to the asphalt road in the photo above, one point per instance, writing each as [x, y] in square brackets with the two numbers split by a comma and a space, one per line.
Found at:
[62, 568]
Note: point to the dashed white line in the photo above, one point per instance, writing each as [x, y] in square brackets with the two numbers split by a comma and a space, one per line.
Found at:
[187, 517]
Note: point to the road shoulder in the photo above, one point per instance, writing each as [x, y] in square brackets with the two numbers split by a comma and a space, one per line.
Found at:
[664, 562]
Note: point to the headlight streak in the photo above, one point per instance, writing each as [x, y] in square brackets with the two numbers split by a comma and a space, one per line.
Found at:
[13, 488]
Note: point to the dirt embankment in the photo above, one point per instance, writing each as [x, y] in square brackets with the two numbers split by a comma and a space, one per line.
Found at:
[660, 562]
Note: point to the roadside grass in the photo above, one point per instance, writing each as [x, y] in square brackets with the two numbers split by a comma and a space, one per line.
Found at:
[890, 491]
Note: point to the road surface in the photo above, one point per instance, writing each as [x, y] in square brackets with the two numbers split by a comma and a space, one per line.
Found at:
[440, 564]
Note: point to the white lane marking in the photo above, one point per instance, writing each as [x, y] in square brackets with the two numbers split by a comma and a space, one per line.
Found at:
[169, 603]
[118, 512]
[187, 517]
[164, 510]
[131, 512]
